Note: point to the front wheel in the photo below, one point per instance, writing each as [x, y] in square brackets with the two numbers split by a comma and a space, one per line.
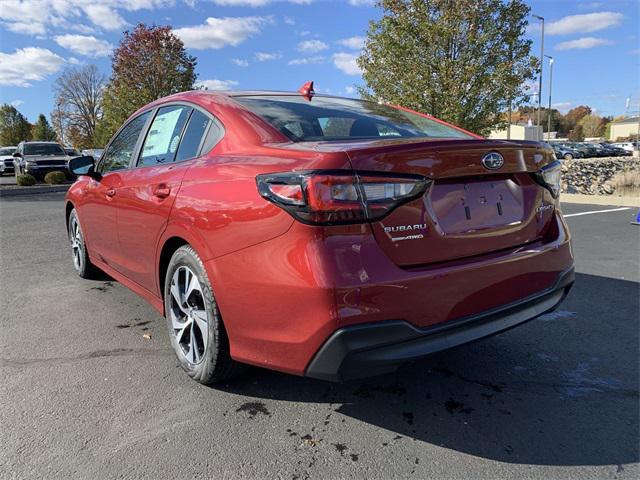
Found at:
[197, 334]
[568, 156]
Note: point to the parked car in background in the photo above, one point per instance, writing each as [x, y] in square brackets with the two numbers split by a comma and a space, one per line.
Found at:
[96, 153]
[564, 152]
[72, 152]
[6, 159]
[39, 158]
[317, 235]
[585, 150]
[627, 146]
[613, 151]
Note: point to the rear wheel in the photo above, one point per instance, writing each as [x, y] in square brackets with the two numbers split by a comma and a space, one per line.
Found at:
[195, 327]
[568, 156]
[81, 261]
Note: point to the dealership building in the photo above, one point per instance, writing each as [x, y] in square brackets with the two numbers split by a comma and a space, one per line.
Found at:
[624, 128]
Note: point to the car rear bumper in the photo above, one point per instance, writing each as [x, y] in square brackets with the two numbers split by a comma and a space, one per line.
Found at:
[360, 351]
[284, 298]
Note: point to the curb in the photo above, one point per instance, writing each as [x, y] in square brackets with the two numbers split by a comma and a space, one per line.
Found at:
[613, 200]
[10, 192]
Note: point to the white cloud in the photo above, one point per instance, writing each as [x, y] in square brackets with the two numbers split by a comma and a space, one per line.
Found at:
[584, 23]
[33, 17]
[219, 32]
[289, 20]
[308, 60]
[361, 3]
[349, 89]
[16, 103]
[347, 63]
[253, 3]
[215, 84]
[240, 62]
[563, 107]
[312, 46]
[84, 45]
[26, 65]
[35, 28]
[241, 3]
[354, 43]
[267, 56]
[583, 43]
[104, 16]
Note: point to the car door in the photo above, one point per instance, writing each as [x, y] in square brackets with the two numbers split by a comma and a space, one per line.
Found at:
[149, 190]
[98, 211]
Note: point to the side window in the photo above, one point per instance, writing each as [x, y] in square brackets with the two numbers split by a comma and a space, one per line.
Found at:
[121, 149]
[192, 138]
[163, 138]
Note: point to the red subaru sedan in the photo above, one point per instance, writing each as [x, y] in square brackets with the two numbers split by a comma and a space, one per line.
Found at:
[317, 235]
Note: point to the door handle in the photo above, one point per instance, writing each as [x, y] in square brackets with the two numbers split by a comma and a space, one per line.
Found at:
[111, 192]
[161, 191]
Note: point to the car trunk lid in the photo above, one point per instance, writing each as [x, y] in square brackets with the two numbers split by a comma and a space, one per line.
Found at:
[468, 210]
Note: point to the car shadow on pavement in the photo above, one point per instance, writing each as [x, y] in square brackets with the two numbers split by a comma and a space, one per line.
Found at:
[561, 390]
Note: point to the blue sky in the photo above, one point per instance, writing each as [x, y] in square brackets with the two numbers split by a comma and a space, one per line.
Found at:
[280, 44]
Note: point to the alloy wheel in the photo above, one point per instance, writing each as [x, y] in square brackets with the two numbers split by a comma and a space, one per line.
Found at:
[188, 315]
[77, 243]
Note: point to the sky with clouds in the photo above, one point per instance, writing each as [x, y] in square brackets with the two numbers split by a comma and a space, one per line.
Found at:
[280, 44]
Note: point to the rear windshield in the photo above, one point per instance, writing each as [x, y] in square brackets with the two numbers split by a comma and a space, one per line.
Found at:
[331, 118]
[43, 149]
[7, 151]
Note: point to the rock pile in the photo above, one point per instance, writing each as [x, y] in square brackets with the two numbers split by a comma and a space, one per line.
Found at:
[592, 176]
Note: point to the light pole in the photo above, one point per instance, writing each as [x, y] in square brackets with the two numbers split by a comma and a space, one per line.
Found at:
[60, 124]
[550, 84]
[541, 62]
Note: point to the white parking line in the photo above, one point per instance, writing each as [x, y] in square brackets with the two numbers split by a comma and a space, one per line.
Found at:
[597, 211]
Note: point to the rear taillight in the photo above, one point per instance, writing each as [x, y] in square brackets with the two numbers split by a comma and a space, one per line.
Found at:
[549, 177]
[339, 197]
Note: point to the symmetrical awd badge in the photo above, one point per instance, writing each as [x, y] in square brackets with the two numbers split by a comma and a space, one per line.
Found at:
[492, 161]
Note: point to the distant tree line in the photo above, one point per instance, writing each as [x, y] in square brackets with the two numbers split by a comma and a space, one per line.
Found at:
[577, 124]
[14, 127]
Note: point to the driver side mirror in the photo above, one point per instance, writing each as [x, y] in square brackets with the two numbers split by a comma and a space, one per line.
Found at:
[84, 165]
[17, 155]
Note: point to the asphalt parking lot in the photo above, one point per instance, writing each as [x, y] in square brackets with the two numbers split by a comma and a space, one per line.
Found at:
[90, 388]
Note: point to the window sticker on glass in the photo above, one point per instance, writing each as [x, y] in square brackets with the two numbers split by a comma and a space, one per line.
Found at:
[163, 138]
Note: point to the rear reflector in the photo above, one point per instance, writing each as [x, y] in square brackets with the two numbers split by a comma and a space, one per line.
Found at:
[339, 197]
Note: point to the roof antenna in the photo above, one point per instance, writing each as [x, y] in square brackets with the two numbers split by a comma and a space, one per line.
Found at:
[307, 90]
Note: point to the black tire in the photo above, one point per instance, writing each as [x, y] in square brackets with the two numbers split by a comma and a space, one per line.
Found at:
[215, 363]
[568, 156]
[81, 262]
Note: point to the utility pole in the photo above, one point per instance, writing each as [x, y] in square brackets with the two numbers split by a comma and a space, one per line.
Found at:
[541, 62]
[60, 125]
[550, 85]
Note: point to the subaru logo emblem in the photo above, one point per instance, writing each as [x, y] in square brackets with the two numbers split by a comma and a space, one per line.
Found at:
[492, 161]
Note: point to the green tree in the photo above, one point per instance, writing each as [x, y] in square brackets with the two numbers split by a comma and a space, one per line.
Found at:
[149, 63]
[576, 134]
[14, 126]
[592, 126]
[459, 60]
[42, 130]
